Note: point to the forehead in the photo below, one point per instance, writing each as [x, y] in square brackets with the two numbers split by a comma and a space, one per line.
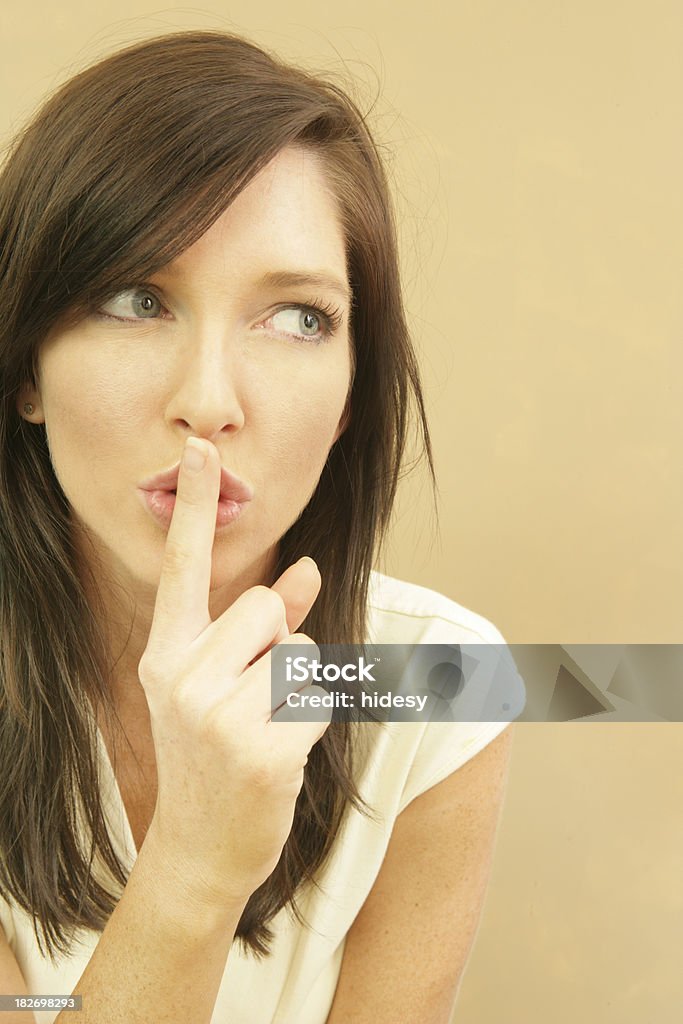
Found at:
[286, 218]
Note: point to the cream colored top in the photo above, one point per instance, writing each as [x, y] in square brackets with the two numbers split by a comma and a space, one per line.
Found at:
[296, 983]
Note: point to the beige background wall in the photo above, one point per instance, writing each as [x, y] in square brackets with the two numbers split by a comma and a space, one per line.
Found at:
[537, 158]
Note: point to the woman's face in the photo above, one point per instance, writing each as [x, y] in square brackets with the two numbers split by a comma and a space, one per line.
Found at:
[223, 344]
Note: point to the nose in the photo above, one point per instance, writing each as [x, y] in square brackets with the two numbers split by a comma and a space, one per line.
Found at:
[205, 396]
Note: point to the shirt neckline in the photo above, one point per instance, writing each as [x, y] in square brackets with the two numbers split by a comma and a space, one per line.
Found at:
[115, 809]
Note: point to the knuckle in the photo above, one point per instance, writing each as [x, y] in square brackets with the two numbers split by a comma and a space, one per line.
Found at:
[266, 773]
[261, 775]
[187, 711]
[150, 672]
[158, 662]
[270, 603]
[190, 497]
[177, 557]
[304, 640]
[180, 700]
[213, 731]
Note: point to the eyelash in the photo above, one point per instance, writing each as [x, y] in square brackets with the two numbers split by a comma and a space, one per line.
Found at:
[330, 316]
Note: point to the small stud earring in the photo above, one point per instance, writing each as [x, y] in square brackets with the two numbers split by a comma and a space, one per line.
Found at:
[28, 408]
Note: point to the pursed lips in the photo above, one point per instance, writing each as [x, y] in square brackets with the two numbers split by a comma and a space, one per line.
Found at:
[232, 488]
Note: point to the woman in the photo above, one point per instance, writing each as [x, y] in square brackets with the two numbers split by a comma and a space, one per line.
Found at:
[206, 380]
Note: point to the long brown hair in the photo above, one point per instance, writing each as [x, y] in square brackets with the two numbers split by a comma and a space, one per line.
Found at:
[127, 165]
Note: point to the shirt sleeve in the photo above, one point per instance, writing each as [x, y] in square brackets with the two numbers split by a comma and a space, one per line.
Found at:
[490, 697]
[462, 661]
[445, 747]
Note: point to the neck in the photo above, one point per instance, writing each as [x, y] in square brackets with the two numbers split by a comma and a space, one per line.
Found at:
[125, 608]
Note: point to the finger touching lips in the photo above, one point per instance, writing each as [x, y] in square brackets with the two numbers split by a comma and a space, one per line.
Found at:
[181, 610]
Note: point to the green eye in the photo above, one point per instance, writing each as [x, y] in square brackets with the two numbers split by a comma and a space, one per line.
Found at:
[133, 304]
[297, 320]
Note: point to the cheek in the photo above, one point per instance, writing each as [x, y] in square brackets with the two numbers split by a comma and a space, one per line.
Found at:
[88, 412]
[301, 429]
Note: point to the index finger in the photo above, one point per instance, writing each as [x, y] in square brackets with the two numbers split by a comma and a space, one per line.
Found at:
[181, 610]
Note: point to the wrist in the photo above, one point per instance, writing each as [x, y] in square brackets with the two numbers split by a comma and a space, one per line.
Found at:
[175, 889]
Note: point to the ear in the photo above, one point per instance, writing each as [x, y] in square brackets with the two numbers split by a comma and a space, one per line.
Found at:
[28, 398]
[343, 422]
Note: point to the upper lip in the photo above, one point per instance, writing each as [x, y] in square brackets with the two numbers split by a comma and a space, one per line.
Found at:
[232, 488]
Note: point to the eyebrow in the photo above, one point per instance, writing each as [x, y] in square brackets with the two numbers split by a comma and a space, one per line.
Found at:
[305, 279]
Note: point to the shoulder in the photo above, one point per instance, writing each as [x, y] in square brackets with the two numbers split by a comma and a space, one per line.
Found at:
[459, 659]
[402, 612]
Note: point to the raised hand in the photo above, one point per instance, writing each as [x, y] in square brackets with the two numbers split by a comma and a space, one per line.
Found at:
[228, 777]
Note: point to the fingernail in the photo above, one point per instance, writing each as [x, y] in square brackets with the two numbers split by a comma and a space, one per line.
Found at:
[307, 559]
[194, 456]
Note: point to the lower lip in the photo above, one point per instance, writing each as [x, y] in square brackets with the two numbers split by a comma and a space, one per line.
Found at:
[162, 503]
